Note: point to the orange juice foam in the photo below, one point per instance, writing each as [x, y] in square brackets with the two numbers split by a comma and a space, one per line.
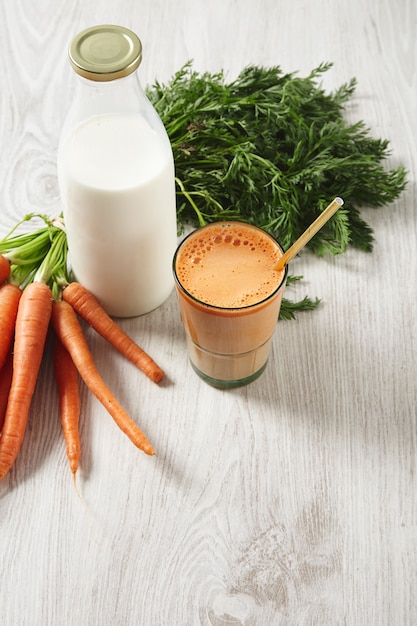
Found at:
[229, 265]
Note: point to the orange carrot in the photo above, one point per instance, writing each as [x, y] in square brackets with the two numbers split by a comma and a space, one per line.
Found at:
[5, 382]
[32, 322]
[88, 307]
[9, 301]
[69, 331]
[4, 268]
[66, 375]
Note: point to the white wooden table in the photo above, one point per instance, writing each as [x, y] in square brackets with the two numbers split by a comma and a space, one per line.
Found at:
[291, 501]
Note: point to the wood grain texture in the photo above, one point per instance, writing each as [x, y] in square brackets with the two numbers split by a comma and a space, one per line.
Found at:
[291, 501]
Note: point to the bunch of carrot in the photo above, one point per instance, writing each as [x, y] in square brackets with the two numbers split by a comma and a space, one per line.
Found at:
[37, 293]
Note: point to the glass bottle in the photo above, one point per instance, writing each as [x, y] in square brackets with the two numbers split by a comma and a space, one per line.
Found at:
[116, 177]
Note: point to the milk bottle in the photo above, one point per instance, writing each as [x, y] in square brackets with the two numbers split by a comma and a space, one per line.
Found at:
[116, 178]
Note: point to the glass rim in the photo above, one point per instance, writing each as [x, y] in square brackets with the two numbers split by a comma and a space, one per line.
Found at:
[216, 307]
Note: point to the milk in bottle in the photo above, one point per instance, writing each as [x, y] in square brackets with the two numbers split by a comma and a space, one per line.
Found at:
[116, 177]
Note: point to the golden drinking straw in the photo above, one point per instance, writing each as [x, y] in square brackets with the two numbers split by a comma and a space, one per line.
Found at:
[309, 233]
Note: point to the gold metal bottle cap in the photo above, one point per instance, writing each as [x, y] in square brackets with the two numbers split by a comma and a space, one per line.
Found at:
[103, 53]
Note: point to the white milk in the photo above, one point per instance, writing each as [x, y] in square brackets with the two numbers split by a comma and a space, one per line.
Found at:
[116, 176]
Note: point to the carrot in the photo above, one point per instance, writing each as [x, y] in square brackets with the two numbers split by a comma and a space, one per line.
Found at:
[32, 322]
[5, 382]
[69, 331]
[88, 307]
[9, 302]
[4, 268]
[66, 375]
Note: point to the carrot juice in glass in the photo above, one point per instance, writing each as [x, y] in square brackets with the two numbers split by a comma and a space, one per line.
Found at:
[229, 297]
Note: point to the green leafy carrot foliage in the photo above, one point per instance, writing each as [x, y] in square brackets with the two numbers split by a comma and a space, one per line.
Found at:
[39, 255]
[273, 149]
